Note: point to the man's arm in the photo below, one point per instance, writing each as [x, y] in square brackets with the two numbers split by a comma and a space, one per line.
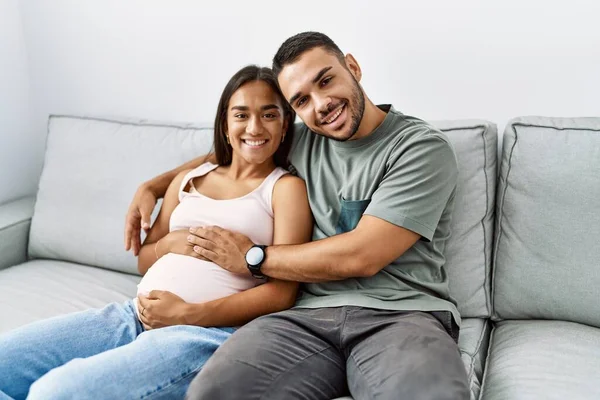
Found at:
[363, 252]
[406, 206]
[144, 201]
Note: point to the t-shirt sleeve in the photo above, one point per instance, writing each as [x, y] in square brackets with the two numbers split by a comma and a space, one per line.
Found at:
[419, 181]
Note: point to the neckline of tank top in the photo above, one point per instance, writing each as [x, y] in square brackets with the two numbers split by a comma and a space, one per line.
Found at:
[212, 168]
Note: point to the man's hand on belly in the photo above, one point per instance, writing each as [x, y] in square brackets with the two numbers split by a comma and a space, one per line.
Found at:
[161, 308]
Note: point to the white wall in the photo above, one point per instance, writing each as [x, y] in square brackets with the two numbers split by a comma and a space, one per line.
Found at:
[434, 59]
[19, 162]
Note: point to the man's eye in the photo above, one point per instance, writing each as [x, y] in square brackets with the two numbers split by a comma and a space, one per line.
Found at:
[301, 101]
[325, 81]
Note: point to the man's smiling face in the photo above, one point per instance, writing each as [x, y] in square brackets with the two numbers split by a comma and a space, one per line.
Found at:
[324, 93]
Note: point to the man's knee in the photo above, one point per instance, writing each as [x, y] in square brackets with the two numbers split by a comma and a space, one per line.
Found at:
[224, 379]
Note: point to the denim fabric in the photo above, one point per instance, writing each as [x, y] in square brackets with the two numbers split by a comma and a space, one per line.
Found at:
[350, 213]
[103, 353]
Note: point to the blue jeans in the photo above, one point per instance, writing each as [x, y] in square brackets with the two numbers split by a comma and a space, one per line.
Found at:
[103, 353]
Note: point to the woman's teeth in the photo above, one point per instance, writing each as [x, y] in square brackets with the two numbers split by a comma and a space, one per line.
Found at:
[255, 142]
[334, 116]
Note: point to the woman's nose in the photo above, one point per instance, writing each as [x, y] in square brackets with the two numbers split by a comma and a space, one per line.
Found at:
[254, 126]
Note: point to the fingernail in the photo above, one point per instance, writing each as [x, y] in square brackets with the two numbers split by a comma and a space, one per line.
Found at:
[196, 249]
[146, 225]
[192, 230]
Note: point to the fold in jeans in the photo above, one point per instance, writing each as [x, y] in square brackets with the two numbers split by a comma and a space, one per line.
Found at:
[103, 353]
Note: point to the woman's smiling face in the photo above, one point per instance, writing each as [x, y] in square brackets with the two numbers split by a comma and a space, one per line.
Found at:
[255, 122]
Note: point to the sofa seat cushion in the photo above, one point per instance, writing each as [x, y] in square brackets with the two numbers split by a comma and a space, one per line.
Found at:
[43, 288]
[543, 360]
[473, 343]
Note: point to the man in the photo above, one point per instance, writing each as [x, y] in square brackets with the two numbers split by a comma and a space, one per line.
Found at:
[374, 316]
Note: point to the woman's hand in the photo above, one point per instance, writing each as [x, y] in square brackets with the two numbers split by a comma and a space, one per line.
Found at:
[162, 308]
[138, 217]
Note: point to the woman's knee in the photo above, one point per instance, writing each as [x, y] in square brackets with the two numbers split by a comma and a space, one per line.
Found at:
[61, 383]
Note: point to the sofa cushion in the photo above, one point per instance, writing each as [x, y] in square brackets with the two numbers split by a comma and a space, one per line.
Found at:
[15, 221]
[44, 288]
[531, 360]
[473, 343]
[91, 171]
[469, 250]
[547, 258]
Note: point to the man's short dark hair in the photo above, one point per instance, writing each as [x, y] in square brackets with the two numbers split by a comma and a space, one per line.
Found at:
[300, 43]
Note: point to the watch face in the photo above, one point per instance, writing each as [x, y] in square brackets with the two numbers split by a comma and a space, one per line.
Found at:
[254, 256]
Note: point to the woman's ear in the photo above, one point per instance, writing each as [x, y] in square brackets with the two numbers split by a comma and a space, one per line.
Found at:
[353, 66]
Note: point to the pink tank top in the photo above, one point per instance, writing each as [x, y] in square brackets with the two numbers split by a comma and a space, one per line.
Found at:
[198, 281]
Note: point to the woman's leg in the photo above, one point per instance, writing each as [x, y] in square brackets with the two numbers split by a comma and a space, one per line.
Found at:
[29, 352]
[159, 364]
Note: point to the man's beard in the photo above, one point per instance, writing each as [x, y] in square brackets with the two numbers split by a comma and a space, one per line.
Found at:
[358, 104]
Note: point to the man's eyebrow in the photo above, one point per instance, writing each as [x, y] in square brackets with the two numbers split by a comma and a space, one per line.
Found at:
[315, 80]
[320, 74]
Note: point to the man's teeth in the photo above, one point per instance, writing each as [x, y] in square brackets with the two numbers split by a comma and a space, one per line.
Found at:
[334, 116]
[255, 142]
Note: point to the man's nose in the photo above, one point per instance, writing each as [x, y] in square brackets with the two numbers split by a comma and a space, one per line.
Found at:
[322, 105]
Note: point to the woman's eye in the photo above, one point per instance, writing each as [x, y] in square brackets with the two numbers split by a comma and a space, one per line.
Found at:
[270, 116]
[240, 116]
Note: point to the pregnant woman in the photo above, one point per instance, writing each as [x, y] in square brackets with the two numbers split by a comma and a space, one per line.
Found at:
[117, 352]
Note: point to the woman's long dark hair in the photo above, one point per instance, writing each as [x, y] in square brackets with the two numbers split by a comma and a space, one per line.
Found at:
[251, 73]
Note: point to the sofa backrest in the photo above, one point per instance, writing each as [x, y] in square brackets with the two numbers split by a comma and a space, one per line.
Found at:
[547, 251]
[91, 171]
[469, 249]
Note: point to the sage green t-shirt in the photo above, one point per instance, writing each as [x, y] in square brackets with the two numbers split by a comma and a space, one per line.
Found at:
[405, 173]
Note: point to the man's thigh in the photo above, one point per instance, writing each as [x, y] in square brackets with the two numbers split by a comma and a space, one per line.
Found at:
[409, 356]
[279, 356]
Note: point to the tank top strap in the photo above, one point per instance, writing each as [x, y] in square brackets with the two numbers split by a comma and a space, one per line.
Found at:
[198, 171]
[266, 188]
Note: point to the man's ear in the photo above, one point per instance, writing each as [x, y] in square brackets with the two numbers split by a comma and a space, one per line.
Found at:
[353, 66]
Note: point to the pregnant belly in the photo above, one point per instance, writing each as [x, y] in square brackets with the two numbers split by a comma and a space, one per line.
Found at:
[194, 280]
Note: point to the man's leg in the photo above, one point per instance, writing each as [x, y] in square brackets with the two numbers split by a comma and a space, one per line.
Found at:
[395, 355]
[159, 364]
[288, 355]
[28, 352]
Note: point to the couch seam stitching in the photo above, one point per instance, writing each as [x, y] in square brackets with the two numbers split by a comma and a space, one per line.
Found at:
[485, 238]
[500, 217]
[15, 224]
[487, 362]
[116, 121]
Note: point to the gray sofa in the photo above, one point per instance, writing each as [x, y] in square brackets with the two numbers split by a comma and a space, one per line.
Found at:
[523, 260]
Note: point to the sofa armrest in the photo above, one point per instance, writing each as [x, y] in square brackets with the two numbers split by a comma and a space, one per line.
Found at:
[15, 220]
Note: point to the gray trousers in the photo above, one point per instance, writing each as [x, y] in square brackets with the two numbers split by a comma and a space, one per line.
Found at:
[325, 353]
